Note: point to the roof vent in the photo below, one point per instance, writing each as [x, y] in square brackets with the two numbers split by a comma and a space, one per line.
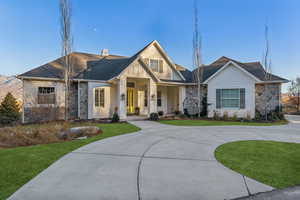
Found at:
[104, 52]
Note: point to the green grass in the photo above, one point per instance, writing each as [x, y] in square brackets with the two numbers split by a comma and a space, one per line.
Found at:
[19, 165]
[190, 122]
[274, 163]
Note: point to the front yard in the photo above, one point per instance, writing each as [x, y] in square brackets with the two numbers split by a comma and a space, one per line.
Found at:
[191, 122]
[19, 165]
[274, 163]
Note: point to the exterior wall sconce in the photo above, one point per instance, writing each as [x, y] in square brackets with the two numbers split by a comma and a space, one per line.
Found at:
[153, 97]
[122, 96]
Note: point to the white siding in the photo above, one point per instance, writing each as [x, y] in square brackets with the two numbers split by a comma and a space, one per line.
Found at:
[230, 78]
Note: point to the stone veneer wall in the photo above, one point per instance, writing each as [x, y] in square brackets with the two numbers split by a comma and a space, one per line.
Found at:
[192, 92]
[73, 101]
[84, 100]
[271, 95]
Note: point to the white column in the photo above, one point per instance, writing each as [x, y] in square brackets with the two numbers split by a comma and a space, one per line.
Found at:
[122, 96]
[152, 96]
[182, 94]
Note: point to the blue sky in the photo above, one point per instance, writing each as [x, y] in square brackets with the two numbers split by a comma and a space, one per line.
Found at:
[29, 34]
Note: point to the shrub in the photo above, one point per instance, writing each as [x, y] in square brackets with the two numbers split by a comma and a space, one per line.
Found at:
[115, 118]
[9, 110]
[225, 116]
[203, 112]
[248, 116]
[161, 113]
[154, 117]
[137, 110]
[177, 112]
[216, 115]
[234, 117]
[186, 113]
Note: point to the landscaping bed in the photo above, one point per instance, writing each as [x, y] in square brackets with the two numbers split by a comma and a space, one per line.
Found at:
[274, 163]
[45, 133]
[21, 164]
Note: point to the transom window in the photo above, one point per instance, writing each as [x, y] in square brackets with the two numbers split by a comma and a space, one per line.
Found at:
[99, 97]
[46, 95]
[230, 98]
[156, 65]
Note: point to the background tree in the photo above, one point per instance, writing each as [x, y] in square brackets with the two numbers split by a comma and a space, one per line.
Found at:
[267, 65]
[9, 110]
[294, 91]
[67, 41]
[197, 56]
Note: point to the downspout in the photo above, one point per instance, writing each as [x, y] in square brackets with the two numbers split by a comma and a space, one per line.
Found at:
[78, 99]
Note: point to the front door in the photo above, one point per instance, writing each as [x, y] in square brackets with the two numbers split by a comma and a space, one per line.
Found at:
[130, 100]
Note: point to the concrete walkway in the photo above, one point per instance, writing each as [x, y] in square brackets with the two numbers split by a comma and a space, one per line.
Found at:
[159, 162]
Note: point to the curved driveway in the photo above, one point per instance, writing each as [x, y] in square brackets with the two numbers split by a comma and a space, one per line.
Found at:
[159, 162]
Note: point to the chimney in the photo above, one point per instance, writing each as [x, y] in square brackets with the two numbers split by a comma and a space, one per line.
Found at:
[104, 52]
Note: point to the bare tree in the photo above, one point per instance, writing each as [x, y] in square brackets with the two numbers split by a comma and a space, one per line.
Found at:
[197, 56]
[67, 40]
[294, 91]
[267, 65]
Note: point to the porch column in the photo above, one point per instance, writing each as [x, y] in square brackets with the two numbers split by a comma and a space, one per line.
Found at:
[122, 93]
[152, 96]
[181, 98]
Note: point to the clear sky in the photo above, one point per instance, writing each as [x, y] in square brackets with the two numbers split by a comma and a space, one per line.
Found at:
[29, 33]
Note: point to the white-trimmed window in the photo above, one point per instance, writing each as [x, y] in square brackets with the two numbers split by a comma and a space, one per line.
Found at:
[99, 97]
[231, 98]
[156, 65]
[46, 95]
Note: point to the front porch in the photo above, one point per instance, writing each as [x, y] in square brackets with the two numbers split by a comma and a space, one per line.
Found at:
[142, 96]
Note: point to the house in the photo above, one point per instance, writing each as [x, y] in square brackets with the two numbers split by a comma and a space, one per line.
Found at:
[146, 82]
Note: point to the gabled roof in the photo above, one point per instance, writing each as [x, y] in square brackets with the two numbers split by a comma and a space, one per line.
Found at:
[103, 68]
[253, 68]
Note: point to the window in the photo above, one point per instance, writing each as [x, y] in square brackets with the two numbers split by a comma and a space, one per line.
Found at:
[99, 97]
[230, 98]
[46, 95]
[154, 64]
[130, 84]
[146, 98]
[158, 98]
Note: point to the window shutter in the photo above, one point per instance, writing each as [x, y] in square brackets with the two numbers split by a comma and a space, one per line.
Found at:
[161, 67]
[242, 98]
[146, 60]
[218, 98]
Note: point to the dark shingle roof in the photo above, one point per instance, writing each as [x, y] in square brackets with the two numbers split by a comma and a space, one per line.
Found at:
[96, 67]
[55, 68]
[254, 68]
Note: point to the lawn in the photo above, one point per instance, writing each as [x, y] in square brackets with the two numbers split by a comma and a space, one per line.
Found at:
[274, 163]
[19, 165]
[190, 122]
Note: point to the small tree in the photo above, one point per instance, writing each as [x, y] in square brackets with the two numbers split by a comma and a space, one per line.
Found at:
[197, 56]
[294, 91]
[9, 110]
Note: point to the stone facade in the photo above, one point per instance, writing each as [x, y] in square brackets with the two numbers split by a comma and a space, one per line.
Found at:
[73, 101]
[267, 97]
[191, 98]
[43, 114]
[83, 100]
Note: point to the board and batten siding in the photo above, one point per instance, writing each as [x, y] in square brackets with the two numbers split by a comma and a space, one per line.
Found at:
[232, 78]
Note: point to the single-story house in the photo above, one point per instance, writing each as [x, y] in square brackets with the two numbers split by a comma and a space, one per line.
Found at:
[146, 82]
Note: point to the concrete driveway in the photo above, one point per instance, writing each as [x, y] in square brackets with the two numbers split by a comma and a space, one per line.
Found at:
[159, 162]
